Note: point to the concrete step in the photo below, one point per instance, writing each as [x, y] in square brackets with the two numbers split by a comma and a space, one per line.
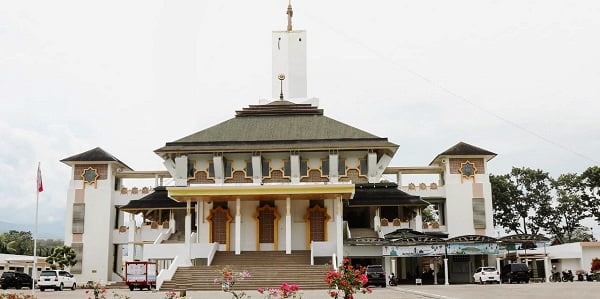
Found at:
[268, 269]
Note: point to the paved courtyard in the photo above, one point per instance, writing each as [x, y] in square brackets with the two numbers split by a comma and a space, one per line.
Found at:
[529, 291]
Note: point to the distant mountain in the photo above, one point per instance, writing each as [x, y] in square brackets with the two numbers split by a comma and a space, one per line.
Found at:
[53, 230]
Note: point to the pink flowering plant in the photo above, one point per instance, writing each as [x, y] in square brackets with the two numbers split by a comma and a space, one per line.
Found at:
[173, 295]
[227, 278]
[284, 291]
[346, 280]
[99, 291]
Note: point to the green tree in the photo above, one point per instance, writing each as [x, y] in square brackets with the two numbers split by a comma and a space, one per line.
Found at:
[563, 220]
[504, 198]
[63, 257]
[46, 246]
[429, 214]
[590, 186]
[16, 242]
[522, 199]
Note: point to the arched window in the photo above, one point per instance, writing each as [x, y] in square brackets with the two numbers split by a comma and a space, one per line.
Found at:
[219, 220]
[266, 219]
[316, 220]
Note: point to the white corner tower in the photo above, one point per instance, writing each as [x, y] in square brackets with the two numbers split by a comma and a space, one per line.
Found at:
[289, 62]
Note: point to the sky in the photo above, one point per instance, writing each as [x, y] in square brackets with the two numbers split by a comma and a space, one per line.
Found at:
[518, 78]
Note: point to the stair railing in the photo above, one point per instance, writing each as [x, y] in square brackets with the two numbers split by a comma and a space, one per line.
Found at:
[347, 228]
[211, 253]
[312, 254]
[167, 274]
[163, 236]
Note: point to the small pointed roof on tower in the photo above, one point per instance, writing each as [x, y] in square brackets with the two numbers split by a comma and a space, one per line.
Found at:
[94, 155]
[465, 149]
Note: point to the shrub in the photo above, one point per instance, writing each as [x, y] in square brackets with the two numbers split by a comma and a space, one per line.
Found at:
[347, 281]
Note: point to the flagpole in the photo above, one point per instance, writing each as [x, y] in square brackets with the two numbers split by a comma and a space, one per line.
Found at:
[37, 200]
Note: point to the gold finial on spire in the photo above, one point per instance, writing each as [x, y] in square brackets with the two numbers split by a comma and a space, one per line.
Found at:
[290, 14]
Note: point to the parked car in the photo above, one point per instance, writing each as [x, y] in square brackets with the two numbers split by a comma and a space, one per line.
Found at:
[17, 280]
[486, 274]
[56, 279]
[375, 275]
[515, 273]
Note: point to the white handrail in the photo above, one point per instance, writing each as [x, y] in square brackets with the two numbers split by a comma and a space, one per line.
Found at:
[211, 254]
[312, 254]
[334, 262]
[167, 274]
[348, 234]
[163, 236]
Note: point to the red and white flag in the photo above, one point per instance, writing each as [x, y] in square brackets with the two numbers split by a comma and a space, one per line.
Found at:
[40, 186]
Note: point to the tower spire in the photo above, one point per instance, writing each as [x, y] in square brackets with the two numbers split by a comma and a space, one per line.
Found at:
[290, 14]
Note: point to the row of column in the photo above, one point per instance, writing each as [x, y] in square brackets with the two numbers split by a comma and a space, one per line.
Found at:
[446, 281]
[179, 168]
[288, 226]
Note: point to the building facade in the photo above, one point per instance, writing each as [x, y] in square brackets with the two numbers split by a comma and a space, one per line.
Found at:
[279, 176]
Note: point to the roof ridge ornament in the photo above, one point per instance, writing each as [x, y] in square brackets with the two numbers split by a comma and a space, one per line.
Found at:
[290, 14]
[281, 77]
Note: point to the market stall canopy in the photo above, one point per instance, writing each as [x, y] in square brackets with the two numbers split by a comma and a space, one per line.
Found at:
[409, 236]
[383, 194]
[521, 238]
[472, 239]
[159, 199]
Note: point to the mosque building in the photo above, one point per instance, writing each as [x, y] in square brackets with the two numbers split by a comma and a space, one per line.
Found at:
[282, 183]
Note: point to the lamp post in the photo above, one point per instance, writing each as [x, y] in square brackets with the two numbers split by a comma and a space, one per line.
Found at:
[281, 77]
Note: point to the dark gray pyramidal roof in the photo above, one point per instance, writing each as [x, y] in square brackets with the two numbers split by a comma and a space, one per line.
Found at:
[465, 149]
[159, 199]
[280, 125]
[94, 155]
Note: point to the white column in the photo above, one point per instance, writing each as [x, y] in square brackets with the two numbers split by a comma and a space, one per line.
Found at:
[188, 229]
[295, 168]
[446, 282]
[219, 171]
[181, 171]
[394, 267]
[377, 219]
[238, 226]
[131, 238]
[338, 228]
[547, 267]
[372, 165]
[498, 266]
[333, 168]
[256, 169]
[288, 225]
[199, 209]
[418, 221]
[172, 221]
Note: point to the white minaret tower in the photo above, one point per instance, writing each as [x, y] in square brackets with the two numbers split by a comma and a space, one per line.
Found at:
[289, 60]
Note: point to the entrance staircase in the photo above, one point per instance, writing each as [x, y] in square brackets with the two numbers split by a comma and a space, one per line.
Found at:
[268, 269]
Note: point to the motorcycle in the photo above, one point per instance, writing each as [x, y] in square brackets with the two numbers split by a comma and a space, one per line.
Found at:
[555, 277]
[393, 280]
[567, 276]
[589, 276]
